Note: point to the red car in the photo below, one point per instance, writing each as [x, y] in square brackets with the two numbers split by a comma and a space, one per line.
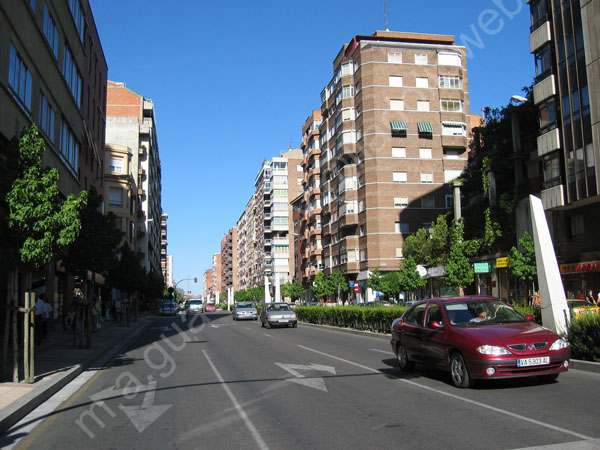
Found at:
[210, 307]
[475, 338]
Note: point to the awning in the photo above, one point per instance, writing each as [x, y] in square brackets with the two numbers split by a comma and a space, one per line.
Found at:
[454, 124]
[398, 126]
[425, 127]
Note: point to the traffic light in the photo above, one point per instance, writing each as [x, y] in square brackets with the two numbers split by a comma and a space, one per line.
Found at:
[195, 280]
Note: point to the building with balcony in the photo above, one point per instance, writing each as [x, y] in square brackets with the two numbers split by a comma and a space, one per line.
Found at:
[53, 74]
[164, 264]
[393, 138]
[229, 260]
[564, 42]
[131, 122]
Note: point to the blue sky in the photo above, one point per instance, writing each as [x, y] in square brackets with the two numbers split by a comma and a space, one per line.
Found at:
[233, 82]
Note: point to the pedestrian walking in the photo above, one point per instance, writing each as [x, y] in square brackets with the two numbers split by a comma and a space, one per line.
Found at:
[38, 313]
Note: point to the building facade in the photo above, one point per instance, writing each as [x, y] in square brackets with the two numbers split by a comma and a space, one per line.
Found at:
[164, 264]
[131, 122]
[392, 140]
[229, 260]
[53, 74]
[564, 42]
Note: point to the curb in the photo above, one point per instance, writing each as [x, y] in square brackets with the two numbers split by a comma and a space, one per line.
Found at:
[14, 412]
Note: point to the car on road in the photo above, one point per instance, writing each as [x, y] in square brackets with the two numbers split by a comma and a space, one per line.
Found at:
[578, 307]
[195, 306]
[210, 307]
[477, 338]
[278, 314]
[244, 310]
[167, 309]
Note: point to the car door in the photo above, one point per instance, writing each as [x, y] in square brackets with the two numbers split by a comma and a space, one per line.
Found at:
[412, 330]
[433, 339]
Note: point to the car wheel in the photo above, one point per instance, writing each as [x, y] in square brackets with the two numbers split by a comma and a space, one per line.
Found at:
[549, 378]
[459, 373]
[403, 362]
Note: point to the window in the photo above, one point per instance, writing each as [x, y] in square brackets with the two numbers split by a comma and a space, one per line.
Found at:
[299, 168]
[115, 197]
[299, 181]
[399, 253]
[361, 205]
[449, 59]
[426, 177]
[576, 225]
[69, 146]
[46, 117]
[422, 82]
[397, 105]
[547, 113]
[421, 58]
[395, 57]
[50, 31]
[425, 153]
[72, 76]
[280, 221]
[454, 129]
[452, 153]
[428, 202]
[451, 105]
[347, 69]
[116, 165]
[19, 78]
[78, 17]
[543, 61]
[401, 227]
[361, 230]
[400, 202]
[422, 105]
[448, 82]
[400, 177]
[395, 81]
[398, 152]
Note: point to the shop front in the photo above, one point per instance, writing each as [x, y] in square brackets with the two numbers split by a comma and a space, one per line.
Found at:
[579, 278]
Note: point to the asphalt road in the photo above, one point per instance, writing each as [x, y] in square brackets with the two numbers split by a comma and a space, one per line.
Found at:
[208, 382]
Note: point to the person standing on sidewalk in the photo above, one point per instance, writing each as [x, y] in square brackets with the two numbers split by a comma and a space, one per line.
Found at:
[38, 312]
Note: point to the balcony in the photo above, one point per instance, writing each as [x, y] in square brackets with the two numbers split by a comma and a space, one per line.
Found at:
[553, 197]
[454, 141]
[544, 89]
[539, 37]
[548, 142]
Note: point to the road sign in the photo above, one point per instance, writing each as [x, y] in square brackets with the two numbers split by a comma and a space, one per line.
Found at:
[502, 262]
[481, 267]
[356, 289]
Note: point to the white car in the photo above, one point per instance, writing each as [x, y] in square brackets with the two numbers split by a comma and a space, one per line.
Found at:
[196, 306]
[278, 314]
[244, 310]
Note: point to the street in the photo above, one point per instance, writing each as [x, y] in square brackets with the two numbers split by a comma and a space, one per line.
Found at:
[209, 382]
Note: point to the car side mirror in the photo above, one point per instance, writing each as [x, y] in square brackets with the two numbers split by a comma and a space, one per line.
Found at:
[529, 317]
[436, 325]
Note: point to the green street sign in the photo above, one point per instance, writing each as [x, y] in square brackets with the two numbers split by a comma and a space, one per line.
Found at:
[482, 267]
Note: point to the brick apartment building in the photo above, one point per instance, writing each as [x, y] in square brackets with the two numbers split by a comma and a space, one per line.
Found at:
[229, 260]
[392, 140]
[131, 123]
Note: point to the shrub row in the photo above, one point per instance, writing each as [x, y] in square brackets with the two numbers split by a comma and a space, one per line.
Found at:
[584, 337]
[377, 319]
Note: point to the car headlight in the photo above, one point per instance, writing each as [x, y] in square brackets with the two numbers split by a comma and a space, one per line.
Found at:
[492, 350]
[559, 344]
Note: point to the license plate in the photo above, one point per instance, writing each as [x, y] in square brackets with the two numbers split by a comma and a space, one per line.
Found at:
[526, 362]
[283, 320]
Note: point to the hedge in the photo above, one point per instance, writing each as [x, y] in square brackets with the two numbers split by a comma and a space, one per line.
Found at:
[366, 318]
[584, 337]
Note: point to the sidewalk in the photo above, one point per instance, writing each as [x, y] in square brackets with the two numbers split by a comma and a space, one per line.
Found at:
[57, 363]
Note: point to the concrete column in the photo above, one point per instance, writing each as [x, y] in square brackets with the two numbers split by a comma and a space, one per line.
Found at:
[267, 292]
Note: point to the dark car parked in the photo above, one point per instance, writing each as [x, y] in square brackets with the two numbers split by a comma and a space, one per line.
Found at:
[477, 338]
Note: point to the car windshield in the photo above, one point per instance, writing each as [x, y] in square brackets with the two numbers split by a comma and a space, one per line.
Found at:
[481, 312]
[578, 304]
[245, 305]
[278, 307]
[195, 302]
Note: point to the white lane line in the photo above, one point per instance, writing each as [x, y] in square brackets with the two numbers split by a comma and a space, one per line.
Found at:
[253, 431]
[577, 445]
[466, 400]
[268, 335]
[382, 351]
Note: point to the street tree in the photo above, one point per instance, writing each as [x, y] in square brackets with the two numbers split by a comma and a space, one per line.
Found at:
[522, 264]
[374, 281]
[459, 272]
[293, 290]
[410, 279]
[41, 221]
[390, 284]
[338, 283]
[321, 286]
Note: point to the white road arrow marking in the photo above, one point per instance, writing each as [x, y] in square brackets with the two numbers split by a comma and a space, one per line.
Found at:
[315, 382]
[143, 416]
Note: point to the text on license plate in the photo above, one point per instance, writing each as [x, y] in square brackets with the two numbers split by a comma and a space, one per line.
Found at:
[526, 362]
[284, 320]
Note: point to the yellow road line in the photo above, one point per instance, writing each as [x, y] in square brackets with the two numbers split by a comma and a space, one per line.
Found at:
[46, 423]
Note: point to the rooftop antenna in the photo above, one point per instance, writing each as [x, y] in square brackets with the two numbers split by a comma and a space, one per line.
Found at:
[385, 15]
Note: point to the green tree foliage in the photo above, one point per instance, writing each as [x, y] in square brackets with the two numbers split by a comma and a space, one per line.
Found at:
[410, 280]
[96, 246]
[338, 283]
[154, 285]
[522, 264]
[321, 286]
[127, 273]
[294, 290]
[584, 337]
[459, 272]
[390, 284]
[429, 249]
[43, 222]
[374, 281]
